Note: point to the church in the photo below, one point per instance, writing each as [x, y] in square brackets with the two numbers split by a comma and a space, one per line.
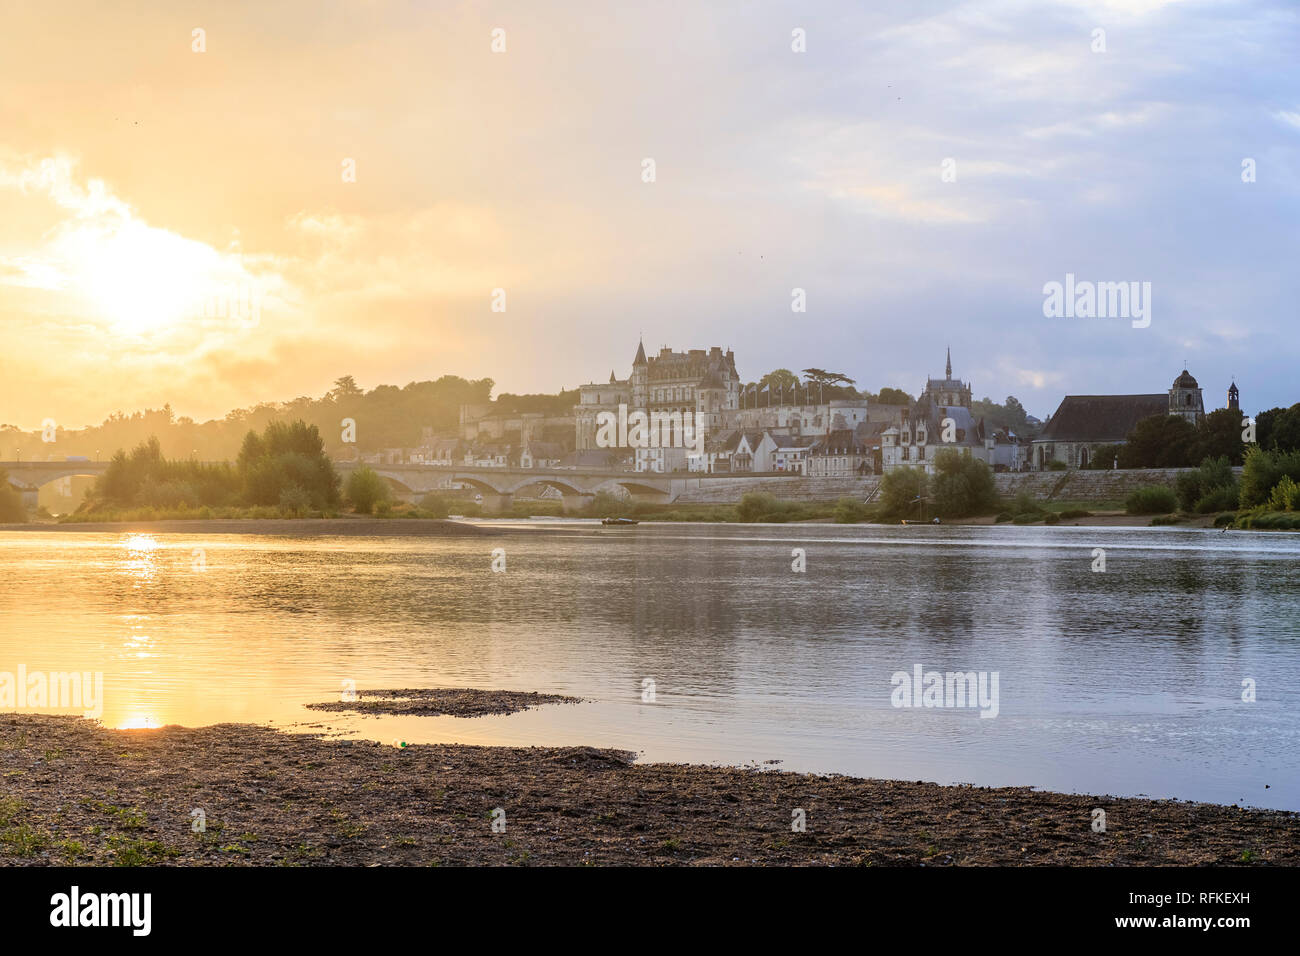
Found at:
[1084, 423]
[942, 418]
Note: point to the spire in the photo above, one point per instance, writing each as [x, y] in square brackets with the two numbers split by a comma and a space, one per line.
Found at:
[948, 368]
[612, 380]
[640, 354]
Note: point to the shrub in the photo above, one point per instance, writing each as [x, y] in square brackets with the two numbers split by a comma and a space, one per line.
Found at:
[1165, 519]
[1052, 518]
[1003, 516]
[606, 505]
[1027, 518]
[295, 501]
[1269, 520]
[1225, 519]
[1217, 499]
[434, 506]
[1057, 465]
[1263, 471]
[384, 509]
[1026, 504]
[1203, 482]
[365, 489]
[1151, 499]
[1070, 513]
[851, 511]
[756, 505]
[1285, 495]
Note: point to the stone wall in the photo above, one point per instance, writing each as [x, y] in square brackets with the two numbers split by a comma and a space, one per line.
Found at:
[1043, 485]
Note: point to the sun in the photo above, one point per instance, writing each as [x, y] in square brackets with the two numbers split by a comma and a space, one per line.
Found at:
[139, 278]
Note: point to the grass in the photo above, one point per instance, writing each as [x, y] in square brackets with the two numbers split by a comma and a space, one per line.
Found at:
[131, 852]
[18, 836]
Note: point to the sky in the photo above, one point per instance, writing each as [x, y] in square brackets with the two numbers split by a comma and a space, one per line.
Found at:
[305, 190]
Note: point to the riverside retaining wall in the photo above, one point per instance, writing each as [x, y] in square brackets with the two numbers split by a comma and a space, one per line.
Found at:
[1042, 485]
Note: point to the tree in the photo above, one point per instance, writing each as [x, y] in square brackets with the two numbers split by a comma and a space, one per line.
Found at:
[1103, 457]
[962, 484]
[345, 387]
[781, 378]
[818, 376]
[1161, 441]
[286, 455]
[900, 490]
[1218, 435]
[365, 489]
[1263, 471]
[894, 396]
[1010, 415]
[11, 501]
[1280, 430]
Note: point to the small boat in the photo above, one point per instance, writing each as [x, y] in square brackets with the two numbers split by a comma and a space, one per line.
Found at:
[620, 522]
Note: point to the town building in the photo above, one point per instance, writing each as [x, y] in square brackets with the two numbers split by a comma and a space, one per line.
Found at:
[698, 386]
[942, 418]
[1084, 423]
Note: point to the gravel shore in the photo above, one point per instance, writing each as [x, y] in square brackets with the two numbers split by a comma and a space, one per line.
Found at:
[444, 701]
[77, 793]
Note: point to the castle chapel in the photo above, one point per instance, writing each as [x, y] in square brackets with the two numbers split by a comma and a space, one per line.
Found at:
[1083, 423]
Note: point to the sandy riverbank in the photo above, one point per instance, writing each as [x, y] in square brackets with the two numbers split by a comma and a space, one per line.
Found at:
[77, 793]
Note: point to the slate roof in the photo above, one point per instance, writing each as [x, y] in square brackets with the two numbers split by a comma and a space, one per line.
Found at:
[1101, 418]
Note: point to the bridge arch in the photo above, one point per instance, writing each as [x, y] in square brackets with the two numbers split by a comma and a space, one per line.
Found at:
[395, 483]
[636, 490]
[563, 487]
[478, 484]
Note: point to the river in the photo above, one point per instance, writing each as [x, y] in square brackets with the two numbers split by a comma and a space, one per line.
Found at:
[1127, 681]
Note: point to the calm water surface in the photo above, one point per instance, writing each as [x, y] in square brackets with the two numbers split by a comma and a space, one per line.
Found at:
[1124, 682]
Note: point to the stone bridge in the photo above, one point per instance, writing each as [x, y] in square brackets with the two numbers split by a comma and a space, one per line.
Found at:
[498, 486]
[29, 476]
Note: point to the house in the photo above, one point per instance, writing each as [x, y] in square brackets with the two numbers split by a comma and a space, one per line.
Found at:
[443, 451]
[593, 459]
[789, 453]
[734, 452]
[492, 455]
[541, 454]
[844, 453]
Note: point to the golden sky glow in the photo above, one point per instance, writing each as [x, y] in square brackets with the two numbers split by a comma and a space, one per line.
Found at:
[175, 226]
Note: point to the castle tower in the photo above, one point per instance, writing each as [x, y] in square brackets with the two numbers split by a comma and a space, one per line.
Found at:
[640, 378]
[1185, 398]
[948, 391]
[1234, 403]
